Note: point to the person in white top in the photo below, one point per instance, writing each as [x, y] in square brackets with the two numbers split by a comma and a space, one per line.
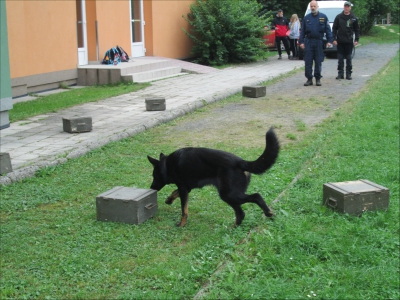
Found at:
[294, 35]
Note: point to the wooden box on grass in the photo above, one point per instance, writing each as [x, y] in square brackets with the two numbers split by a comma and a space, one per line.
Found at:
[5, 163]
[355, 197]
[155, 103]
[77, 125]
[127, 205]
[254, 91]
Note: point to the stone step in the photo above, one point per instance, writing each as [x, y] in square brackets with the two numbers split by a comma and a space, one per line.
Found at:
[144, 66]
[163, 77]
[153, 74]
[136, 71]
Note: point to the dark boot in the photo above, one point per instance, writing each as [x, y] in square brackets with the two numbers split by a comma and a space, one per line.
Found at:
[348, 76]
[340, 76]
[318, 82]
[309, 82]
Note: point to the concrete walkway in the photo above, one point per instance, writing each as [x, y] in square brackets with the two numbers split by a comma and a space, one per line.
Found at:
[40, 141]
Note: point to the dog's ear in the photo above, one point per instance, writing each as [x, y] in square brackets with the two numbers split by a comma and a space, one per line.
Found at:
[162, 155]
[153, 161]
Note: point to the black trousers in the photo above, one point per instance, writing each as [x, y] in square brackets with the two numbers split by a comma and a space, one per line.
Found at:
[344, 51]
[285, 42]
[293, 47]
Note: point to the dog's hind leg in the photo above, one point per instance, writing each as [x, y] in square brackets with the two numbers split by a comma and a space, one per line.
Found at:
[171, 198]
[232, 183]
[236, 201]
[184, 196]
[257, 199]
[248, 178]
[239, 213]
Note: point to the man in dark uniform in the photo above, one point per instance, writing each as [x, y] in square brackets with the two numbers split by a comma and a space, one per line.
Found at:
[313, 28]
[344, 27]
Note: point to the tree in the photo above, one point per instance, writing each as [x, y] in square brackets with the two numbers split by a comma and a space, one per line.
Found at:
[369, 11]
[289, 7]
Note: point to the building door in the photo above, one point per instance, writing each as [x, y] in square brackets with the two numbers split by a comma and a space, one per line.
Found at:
[137, 30]
[81, 32]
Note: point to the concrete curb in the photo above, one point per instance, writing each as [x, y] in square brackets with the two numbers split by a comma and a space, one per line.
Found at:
[187, 108]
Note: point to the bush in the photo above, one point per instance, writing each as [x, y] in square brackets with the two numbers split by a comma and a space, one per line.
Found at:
[226, 31]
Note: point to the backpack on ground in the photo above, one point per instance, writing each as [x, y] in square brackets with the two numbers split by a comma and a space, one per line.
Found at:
[124, 56]
[111, 57]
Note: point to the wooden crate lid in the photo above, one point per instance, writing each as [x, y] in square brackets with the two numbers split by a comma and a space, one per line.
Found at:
[358, 186]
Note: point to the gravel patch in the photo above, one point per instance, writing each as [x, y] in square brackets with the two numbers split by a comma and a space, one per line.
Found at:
[289, 106]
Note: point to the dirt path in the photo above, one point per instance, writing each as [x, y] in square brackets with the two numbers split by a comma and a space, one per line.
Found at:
[289, 106]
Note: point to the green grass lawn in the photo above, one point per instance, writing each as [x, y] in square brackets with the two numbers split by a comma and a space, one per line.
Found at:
[310, 250]
[382, 34]
[52, 247]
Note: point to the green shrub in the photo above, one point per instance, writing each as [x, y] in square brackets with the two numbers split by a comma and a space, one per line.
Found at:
[226, 31]
[369, 11]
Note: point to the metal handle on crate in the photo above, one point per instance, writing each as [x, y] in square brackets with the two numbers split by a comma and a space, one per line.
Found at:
[332, 202]
[81, 124]
[150, 206]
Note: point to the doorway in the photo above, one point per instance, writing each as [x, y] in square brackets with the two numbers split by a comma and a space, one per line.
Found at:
[81, 32]
[137, 28]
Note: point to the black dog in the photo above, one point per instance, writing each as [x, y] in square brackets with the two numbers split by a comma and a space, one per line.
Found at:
[191, 168]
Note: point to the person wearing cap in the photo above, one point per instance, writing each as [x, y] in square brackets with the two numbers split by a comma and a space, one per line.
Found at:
[314, 26]
[281, 25]
[344, 28]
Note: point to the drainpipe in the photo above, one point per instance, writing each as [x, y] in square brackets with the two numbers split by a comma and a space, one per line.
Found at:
[97, 41]
[5, 80]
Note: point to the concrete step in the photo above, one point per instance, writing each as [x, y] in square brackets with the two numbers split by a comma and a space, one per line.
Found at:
[144, 66]
[163, 77]
[153, 74]
[135, 70]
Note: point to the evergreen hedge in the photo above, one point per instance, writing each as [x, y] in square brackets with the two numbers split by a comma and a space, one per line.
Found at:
[226, 31]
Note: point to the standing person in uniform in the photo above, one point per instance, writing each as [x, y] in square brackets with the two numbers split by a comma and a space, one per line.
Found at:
[344, 27]
[281, 27]
[294, 27]
[313, 28]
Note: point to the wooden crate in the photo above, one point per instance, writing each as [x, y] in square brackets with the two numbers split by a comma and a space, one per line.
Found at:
[254, 91]
[155, 103]
[355, 197]
[77, 125]
[5, 163]
[127, 205]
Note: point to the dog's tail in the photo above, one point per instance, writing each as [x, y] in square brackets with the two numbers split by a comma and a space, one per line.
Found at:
[268, 158]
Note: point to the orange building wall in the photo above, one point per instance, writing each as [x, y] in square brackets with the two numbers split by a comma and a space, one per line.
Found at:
[91, 30]
[32, 24]
[168, 39]
[148, 28]
[113, 25]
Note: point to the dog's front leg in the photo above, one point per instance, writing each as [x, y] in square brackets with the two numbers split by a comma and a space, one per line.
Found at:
[171, 198]
[184, 195]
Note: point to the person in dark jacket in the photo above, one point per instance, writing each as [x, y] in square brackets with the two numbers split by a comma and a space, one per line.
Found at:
[313, 28]
[344, 28]
[281, 25]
